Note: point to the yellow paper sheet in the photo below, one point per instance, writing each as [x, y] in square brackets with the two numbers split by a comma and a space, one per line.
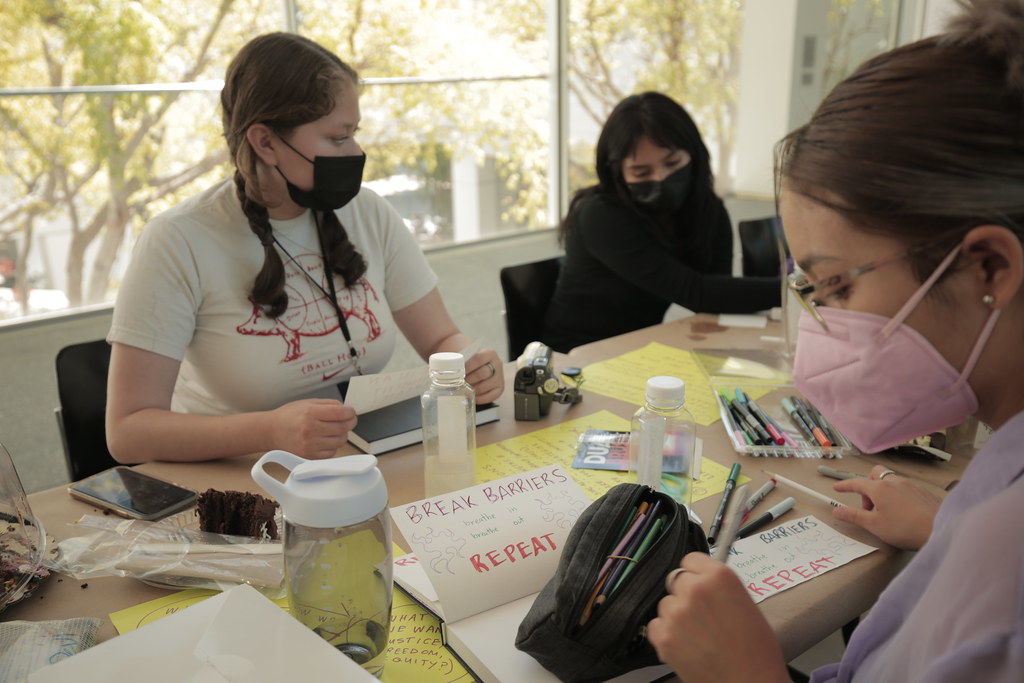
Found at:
[625, 378]
[557, 444]
[414, 653]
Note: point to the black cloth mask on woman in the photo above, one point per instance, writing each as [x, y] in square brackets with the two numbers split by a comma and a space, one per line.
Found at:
[336, 181]
[663, 196]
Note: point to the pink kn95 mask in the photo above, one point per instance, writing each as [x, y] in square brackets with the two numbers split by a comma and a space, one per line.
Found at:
[879, 381]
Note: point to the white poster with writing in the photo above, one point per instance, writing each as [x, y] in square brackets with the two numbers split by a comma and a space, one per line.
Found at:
[495, 542]
[775, 559]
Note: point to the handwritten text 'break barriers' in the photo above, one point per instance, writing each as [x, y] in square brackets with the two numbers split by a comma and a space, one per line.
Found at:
[499, 538]
[773, 560]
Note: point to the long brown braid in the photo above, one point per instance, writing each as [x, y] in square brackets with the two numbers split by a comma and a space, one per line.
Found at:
[282, 80]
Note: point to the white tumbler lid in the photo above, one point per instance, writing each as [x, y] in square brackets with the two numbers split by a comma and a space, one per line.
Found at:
[665, 392]
[329, 493]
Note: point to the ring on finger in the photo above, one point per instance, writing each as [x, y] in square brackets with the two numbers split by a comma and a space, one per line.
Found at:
[671, 576]
[885, 474]
[494, 370]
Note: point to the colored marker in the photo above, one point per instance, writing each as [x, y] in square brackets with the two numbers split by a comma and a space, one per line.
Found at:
[773, 514]
[825, 425]
[762, 436]
[803, 489]
[798, 420]
[837, 474]
[731, 525]
[730, 484]
[749, 436]
[756, 497]
[762, 416]
[727, 419]
[816, 430]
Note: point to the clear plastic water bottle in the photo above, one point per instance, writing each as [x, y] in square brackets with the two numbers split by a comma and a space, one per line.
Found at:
[449, 426]
[663, 439]
[337, 550]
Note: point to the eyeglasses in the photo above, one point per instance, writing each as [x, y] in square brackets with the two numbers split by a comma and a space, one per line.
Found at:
[811, 294]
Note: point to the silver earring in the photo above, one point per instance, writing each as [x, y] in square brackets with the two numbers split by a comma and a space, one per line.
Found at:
[988, 299]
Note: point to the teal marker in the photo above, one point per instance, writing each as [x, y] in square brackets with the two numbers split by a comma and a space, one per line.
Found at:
[730, 484]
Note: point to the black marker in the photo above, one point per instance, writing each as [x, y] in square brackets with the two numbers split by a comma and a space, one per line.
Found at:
[770, 516]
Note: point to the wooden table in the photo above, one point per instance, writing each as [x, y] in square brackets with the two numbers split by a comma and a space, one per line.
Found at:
[800, 616]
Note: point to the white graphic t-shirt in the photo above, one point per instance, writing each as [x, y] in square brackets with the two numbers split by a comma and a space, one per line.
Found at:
[186, 296]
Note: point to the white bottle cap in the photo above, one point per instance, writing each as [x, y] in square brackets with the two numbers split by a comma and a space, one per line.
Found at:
[447, 362]
[325, 494]
[665, 392]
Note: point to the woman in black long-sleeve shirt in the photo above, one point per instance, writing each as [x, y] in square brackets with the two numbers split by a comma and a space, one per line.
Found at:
[651, 233]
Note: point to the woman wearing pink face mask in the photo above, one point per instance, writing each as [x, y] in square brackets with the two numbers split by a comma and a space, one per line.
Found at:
[903, 203]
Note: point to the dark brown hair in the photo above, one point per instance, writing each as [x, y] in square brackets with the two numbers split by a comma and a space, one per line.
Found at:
[926, 141]
[667, 124]
[283, 81]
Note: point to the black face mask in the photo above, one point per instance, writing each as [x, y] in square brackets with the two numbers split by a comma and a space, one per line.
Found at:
[664, 196]
[336, 181]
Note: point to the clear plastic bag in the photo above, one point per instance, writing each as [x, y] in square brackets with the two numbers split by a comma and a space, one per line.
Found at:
[168, 555]
[27, 646]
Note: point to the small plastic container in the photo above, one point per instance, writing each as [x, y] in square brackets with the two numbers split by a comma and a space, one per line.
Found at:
[663, 439]
[449, 426]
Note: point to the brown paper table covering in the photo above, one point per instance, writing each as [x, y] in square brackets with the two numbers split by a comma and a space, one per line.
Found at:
[800, 616]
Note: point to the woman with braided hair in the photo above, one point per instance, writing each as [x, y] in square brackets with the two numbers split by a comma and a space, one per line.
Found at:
[245, 305]
[903, 203]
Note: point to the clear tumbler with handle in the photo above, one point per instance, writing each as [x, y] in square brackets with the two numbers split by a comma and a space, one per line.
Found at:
[337, 550]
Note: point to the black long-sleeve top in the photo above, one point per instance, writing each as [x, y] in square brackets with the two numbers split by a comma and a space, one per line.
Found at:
[621, 272]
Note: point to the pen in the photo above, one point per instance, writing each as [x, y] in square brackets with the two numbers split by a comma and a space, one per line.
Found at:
[766, 421]
[803, 489]
[602, 576]
[730, 483]
[756, 497]
[773, 514]
[731, 525]
[628, 557]
[641, 551]
[798, 420]
[837, 474]
[816, 430]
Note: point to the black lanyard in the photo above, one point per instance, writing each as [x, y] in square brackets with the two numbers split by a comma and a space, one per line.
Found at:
[332, 296]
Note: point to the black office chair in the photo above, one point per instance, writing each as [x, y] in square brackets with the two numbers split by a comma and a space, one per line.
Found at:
[760, 241]
[82, 387]
[527, 288]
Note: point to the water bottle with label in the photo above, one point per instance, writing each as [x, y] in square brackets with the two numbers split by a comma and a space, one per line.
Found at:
[449, 426]
[663, 438]
[337, 550]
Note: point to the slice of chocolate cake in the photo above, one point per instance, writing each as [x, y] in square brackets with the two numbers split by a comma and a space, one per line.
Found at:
[236, 513]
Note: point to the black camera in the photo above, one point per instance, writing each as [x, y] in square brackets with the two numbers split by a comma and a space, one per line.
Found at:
[536, 386]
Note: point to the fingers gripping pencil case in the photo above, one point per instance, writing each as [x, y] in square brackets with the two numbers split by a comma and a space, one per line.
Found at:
[577, 641]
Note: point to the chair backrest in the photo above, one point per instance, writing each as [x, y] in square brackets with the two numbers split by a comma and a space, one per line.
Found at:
[527, 288]
[82, 387]
[759, 240]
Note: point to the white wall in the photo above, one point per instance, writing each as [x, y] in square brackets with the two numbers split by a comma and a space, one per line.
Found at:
[778, 88]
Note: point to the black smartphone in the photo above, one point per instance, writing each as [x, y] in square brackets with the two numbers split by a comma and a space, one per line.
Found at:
[132, 494]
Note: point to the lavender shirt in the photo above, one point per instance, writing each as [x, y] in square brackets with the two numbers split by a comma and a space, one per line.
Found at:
[956, 612]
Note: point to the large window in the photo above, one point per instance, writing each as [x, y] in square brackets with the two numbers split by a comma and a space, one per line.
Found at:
[479, 116]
